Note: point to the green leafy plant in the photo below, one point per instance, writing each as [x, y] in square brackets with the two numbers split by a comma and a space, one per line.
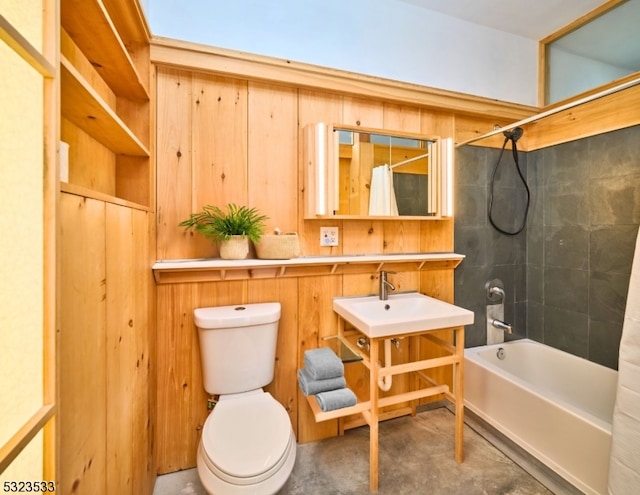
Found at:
[219, 225]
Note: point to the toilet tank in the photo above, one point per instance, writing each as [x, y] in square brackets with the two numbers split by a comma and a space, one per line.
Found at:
[237, 346]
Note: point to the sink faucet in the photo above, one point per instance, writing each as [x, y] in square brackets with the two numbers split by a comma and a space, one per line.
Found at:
[385, 285]
[501, 325]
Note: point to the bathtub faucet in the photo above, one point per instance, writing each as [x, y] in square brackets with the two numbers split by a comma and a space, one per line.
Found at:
[501, 325]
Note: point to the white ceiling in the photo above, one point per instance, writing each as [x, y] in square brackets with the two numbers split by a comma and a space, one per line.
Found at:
[534, 19]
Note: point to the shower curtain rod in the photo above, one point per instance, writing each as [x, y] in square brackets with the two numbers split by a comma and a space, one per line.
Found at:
[404, 162]
[552, 111]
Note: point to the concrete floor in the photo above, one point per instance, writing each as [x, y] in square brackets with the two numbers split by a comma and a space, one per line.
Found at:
[416, 457]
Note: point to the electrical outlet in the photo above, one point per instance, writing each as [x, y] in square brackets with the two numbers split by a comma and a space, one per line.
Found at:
[328, 236]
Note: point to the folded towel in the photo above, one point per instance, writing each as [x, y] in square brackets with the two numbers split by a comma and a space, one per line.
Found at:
[336, 399]
[309, 386]
[323, 363]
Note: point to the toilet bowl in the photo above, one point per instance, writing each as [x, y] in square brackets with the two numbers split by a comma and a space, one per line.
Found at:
[247, 446]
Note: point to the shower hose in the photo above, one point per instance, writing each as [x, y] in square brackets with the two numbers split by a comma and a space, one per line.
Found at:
[512, 136]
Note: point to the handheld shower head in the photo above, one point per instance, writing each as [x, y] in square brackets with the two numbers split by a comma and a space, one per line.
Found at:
[514, 134]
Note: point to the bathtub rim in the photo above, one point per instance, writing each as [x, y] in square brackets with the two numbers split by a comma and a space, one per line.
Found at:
[472, 353]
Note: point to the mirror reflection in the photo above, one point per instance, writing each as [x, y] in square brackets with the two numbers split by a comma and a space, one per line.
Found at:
[384, 175]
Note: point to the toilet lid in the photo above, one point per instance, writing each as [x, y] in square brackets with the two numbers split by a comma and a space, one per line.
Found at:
[246, 436]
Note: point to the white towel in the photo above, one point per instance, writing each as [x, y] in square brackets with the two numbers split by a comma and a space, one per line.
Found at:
[624, 466]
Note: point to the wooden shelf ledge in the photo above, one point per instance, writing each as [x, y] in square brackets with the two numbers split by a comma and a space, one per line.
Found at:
[83, 106]
[321, 415]
[96, 35]
[215, 269]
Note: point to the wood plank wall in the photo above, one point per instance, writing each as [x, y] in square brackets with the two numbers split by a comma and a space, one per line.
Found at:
[107, 387]
[224, 140]
[226, 136]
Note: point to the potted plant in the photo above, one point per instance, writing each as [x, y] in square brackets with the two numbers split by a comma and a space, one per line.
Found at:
[233, 228]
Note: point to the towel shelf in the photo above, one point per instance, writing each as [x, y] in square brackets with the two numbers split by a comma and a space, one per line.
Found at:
[343, 348]
[448, 355]
[321, 415]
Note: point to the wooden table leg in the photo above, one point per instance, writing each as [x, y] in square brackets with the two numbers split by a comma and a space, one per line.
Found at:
[373, 426]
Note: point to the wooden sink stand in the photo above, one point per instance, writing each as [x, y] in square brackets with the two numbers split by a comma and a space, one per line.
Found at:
[370, 410]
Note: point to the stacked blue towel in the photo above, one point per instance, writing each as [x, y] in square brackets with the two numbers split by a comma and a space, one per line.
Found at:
[323, 363]
[323, 376]
[309, 386]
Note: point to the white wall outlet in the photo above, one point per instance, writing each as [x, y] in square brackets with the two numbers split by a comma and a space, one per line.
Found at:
[328, 236]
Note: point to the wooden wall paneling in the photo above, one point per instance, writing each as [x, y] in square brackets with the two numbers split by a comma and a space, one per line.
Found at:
[284, 385]
[81, 345]
[316, 320]
[436, 236]
[99, 174]
[133, 179]
[362, 236]
[181, 399]
[402, 236]
[120, 346]
[436, 123]
[605, 114]
[177, 434]
[174, 166]
[314, 107]
[220, 129]
[469, 127]
[363, 112]
[281, 71]
[73, 54]
[144, 384]
[273, 154]
[401, 118]
[359, 177]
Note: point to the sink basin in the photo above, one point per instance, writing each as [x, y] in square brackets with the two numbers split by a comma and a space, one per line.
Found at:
[400, 314]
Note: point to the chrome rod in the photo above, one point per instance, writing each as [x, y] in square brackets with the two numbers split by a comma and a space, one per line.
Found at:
[552, 111]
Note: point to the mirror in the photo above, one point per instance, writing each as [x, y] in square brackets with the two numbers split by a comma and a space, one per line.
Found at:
[599, 48]
[365, 173]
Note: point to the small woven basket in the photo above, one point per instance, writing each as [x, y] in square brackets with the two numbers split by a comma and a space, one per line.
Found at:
[278, 246]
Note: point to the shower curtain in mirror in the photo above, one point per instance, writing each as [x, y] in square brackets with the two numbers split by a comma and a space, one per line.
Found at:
[382, 198]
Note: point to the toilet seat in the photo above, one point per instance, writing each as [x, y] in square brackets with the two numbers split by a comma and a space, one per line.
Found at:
[247, 438]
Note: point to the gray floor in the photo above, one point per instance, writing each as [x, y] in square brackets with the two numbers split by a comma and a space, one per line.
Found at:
[416, 457]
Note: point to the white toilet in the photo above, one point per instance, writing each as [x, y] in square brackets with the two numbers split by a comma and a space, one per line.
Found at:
[248, 445]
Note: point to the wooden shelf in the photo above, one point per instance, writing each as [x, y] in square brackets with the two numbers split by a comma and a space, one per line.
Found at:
[321, 415]
[99, 40]
[83, 106]
[215, 269]
[69, 188]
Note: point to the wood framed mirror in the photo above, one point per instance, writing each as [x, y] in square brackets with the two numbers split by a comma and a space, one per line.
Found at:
[354, 172]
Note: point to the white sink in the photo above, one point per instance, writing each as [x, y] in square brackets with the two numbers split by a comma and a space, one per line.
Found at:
[400, 314]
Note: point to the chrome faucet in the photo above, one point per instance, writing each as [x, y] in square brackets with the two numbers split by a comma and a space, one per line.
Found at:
[501, 325]
[385, 285]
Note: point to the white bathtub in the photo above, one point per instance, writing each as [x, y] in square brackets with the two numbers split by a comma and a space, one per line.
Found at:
[556, 406]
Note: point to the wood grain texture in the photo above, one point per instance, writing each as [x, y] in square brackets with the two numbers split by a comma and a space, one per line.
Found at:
[257, 142]
[82, 413]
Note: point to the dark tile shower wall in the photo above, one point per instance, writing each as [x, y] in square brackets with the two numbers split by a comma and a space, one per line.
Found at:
[581, 242]
[570, 270]
[489, 254]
